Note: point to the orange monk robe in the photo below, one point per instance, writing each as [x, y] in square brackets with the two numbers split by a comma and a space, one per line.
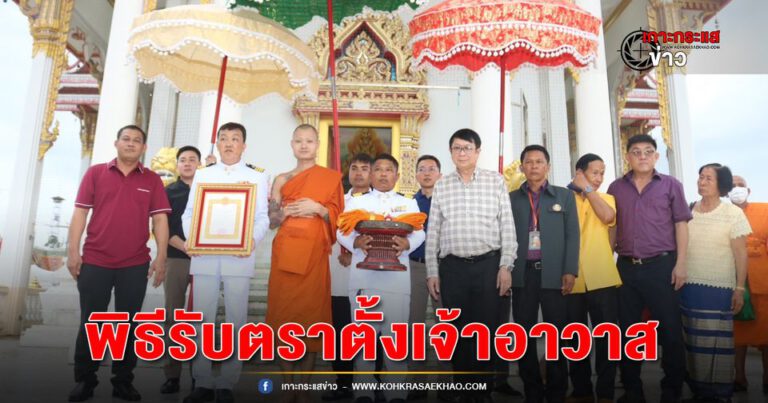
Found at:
[300, 279]
[755, 332]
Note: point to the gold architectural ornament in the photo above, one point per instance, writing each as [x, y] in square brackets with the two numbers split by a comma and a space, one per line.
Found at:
[513, 177]
[574, 75]
[663, 16]
[310, 118]
[164, 164]
[150, 5]
[87, 130]
[375, 51]
[49, 26]
[662, 74]
[363, 62]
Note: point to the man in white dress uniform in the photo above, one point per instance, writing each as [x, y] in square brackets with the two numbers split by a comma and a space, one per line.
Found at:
[208, 272]
[394, 287]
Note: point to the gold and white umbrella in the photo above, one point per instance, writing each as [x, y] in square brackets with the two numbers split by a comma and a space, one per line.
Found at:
[237, 53]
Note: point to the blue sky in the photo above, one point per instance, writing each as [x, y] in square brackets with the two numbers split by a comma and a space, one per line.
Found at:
[727, 113]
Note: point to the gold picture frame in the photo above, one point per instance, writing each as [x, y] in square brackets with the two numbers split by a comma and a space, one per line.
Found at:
[222, 219]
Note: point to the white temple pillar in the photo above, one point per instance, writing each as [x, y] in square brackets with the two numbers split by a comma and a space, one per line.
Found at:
[49, 24]
[594, 132]
[485, 118]
[229, 112]
[120, 87]
[681, 161]
[552, 84]
[162, 119]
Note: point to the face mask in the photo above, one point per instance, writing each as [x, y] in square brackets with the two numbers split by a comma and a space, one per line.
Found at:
[738, 195]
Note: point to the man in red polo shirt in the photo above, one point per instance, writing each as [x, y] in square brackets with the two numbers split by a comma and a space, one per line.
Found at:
[123, 196]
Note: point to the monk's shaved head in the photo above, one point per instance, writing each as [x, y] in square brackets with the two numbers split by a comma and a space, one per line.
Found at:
[739, 181]
[306, 127]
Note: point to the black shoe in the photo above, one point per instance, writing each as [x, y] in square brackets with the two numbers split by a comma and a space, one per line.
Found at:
[363, 399]
[765, 388]
[739, 387]
[631, 398]
[224, 396]
[200, 395]
[379, 397]
[343, 392]
[416, 395]
[82, 391]
[125, 391]
[171, 385]
[505, 389]
[398, 400]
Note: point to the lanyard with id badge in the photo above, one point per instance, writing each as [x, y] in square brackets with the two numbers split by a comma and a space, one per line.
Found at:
[534, 236]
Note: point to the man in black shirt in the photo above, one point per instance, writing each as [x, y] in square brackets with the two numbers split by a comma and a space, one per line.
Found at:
[177, 273]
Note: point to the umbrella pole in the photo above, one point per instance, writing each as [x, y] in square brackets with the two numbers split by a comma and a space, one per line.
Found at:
[501, 114]
[220, 92]
[336, 163]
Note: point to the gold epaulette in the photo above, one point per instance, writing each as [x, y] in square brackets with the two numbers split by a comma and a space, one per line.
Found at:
[358, 194]
[405, 195]
[255, 168]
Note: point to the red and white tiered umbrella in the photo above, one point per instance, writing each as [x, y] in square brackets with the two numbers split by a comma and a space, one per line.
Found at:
[507, 33]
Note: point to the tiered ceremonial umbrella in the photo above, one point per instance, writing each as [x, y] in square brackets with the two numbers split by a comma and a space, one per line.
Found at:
[507, 33]
[237, 53]
[294, 14]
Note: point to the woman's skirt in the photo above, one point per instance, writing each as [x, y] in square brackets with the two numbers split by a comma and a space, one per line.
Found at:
[708, 332]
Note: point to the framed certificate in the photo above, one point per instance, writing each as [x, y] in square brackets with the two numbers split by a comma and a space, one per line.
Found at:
[222, 219]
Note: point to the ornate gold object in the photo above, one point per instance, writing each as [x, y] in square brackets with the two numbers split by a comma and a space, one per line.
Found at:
[373, 49]
[164, 164]
[49, 26]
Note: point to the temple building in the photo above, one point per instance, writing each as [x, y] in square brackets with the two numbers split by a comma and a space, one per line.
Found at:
[82, 64]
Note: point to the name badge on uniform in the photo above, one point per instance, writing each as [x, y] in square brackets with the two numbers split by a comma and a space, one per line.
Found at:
[399, 209]
[534, 240]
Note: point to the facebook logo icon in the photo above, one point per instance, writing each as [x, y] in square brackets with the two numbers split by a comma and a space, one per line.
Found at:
[265, 386]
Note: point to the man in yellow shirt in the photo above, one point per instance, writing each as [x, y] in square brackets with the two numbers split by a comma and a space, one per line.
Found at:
[595, 292]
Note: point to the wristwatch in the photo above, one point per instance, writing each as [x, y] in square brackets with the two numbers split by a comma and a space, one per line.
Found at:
[588, 189]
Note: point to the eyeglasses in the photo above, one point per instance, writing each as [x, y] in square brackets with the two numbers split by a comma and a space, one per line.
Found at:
[424, 170]
[640, 153]
[465, 149]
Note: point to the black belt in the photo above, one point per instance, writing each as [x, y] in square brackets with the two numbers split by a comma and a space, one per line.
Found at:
[533, 264]
[419, 259]
[638, 261]
[475, 259]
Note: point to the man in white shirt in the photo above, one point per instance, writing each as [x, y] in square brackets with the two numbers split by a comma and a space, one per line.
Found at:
[394, 287]
[360, 178]
[208, 272]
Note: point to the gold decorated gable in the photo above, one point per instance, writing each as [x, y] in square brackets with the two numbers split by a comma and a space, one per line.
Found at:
[373, 68]
[375, 82]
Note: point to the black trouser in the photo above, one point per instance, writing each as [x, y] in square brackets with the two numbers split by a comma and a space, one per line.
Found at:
[502, 366]
[95, 287]
[525, 309]
[341, 312]
[649, 285]
[602, 307]
[471, 287]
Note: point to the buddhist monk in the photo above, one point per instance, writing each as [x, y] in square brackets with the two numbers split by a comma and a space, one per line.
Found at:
[753, 332]
[304, 206]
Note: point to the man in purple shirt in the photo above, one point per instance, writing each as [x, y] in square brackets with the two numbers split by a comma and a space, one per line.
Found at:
[122, 196]
[651, 241]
